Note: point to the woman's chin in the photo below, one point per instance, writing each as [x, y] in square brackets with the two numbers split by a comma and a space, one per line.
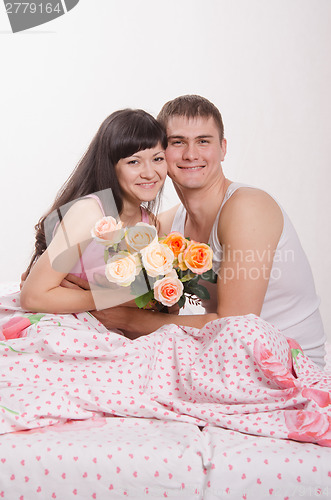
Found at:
[148, 194]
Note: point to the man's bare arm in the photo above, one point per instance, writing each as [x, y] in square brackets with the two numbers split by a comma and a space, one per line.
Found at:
[250, 226]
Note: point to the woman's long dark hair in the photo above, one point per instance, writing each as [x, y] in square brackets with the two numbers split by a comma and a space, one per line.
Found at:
[122, 134]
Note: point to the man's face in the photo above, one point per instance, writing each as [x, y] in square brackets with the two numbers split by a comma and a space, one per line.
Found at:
[194, 151]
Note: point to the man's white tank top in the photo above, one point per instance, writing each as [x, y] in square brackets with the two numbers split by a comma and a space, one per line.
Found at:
[290, 303]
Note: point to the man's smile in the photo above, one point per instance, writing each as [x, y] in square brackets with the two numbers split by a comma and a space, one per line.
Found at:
[191, 167]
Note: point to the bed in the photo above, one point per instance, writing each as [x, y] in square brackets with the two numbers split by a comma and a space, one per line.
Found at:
[109, 455]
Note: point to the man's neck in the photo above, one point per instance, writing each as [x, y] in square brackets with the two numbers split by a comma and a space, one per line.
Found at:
[202, 206]
[208, 201]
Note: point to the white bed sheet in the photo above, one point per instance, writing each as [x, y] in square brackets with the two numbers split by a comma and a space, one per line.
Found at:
[146, 458]
[106, 458]
[241, 466]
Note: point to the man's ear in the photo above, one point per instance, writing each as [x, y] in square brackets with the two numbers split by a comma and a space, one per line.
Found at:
[223, 148]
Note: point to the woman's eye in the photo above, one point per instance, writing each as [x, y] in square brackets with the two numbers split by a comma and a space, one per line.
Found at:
[158, 159]
[132, 162]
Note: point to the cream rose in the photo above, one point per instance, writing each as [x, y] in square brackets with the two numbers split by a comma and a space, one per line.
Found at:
[168, 290]
[122, 269]
[140, 236]
[157, 259]
[108, 231]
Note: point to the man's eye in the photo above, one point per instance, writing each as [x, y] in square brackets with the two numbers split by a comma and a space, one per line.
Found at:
[203, 141]
[176, 143]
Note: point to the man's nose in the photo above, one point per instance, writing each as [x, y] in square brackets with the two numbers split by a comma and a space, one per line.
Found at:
[190, 152]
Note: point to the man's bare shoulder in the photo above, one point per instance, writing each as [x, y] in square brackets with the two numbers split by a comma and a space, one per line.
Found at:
[166, 219]
[246, 198]
[251, 208]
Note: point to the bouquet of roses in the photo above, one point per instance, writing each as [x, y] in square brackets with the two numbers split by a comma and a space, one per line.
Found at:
[168, 268]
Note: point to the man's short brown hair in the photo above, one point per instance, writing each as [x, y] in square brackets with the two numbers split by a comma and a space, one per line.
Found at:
[191, 106]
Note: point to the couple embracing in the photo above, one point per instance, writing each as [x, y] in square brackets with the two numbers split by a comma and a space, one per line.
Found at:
[261, 266]
[261, 329]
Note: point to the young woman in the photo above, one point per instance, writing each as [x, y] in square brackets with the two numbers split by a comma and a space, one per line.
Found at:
[125, 167]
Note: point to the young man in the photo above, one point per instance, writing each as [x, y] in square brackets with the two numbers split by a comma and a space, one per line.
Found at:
[261, 266]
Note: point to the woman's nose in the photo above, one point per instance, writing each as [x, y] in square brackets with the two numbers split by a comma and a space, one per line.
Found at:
[148, 171]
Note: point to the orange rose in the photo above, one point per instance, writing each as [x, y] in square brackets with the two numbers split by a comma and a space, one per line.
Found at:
[181, 263]
[168, 290]
[176, 242]
[198, 257]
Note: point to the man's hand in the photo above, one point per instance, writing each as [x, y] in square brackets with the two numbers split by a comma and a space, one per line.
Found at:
[23, 278]
[114, 318]
[74, 282]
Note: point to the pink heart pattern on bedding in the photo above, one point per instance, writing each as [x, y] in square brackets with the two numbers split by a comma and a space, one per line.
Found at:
[238, 373]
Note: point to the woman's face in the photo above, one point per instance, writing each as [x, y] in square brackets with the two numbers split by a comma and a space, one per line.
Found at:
[142, 175]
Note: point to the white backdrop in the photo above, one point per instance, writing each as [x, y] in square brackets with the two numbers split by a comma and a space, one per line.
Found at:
[265, 64]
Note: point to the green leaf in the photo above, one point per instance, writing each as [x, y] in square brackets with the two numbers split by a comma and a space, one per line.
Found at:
[187, 277]
[143, 300]
[35, 318]
[12, 349]
[210, 276]
[200, 291]
[190, 286]
[295, 353]
[106, 255]
[10, 411]
[181, 301]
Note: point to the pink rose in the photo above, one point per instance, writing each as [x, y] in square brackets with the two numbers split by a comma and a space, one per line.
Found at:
[272, 368]
[168, 290]
[293, 344]
[322, 398]
[108, 231]
[13, 329]
[309, 426]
